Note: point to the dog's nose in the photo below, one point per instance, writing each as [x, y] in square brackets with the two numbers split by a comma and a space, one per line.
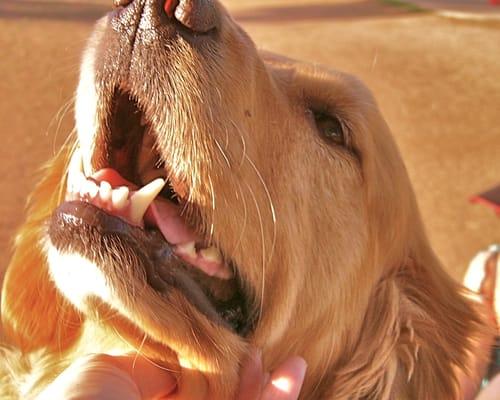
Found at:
[199, 16]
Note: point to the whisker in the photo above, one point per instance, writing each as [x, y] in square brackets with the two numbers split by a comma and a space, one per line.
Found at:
[243, 142]
[142, 355]
[212, 220]
[245, 216]
[139, 350]
[58, 118]
[263, 245]
[271, 205]
[240, 191]
[226, 159]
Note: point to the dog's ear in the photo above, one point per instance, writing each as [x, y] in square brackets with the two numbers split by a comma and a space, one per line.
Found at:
[34, 314]
[439, 326]
[418, 333]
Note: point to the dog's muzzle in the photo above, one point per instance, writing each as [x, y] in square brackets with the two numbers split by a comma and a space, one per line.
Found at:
[197, 16]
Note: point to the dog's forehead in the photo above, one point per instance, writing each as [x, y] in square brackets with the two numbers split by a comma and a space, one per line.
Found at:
[315, 82]
[283, 68]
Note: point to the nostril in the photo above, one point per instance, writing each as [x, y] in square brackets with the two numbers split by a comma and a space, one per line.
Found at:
[198, 15]
[121, 3]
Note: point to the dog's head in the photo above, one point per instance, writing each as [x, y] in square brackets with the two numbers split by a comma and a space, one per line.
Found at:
[287, 220]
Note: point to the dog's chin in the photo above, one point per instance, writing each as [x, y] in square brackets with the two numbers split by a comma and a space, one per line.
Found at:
[94, 255]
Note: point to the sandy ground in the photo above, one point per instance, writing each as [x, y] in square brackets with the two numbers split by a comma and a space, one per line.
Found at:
[436, 81]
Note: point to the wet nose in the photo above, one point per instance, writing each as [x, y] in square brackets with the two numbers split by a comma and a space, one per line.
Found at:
[199, 16]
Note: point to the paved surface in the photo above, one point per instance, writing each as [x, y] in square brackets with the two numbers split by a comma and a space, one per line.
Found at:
[436, 80]
[482, 10]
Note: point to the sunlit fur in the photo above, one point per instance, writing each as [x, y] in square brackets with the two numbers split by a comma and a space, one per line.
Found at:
[328, 239]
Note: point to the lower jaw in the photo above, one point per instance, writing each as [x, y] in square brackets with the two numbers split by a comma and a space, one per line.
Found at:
[110, 323]
[86, 263]
[154, 328]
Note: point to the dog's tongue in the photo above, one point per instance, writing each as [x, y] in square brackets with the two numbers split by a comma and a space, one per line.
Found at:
[122, 198]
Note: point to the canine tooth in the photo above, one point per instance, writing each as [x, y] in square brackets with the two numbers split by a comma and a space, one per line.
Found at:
[212, 254]
[141, 200]
[187, 249]
[144, 122]
[105, 191]
[120, 197]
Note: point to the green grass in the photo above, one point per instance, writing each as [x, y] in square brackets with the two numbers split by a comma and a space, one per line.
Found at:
[404, 5]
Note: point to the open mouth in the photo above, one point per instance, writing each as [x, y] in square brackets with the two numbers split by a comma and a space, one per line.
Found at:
[136, 201]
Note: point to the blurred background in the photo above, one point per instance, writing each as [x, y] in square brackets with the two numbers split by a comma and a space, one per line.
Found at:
[434, 67]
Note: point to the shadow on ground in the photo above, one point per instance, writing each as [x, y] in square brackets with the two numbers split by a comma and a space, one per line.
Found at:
[81, 11]
[74, 11]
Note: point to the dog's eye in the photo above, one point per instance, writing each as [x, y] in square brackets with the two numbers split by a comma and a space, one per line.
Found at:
[330, 128]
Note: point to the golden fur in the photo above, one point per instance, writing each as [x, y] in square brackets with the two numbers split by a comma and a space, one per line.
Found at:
[328, 239]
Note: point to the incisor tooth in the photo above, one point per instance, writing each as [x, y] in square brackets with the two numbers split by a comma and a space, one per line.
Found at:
[212, 254]
[89, 188]
[76, 182]
[187, 249]
[120, 197]
[141, 200]
[105, 191]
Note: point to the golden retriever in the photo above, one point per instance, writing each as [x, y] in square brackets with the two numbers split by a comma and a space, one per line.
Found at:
[286, 221]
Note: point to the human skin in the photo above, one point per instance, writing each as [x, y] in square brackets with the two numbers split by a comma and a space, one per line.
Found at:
[136, 378]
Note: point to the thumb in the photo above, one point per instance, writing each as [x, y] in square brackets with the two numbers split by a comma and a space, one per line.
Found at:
[114, 378]
[152, 381]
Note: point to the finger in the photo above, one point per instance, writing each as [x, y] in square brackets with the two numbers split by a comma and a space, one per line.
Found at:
[252, 375]
[92, 378]
[192, 385]
[286, 382]
[152, 380]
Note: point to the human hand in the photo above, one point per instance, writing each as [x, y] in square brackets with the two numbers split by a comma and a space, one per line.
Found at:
[284, 383]
[131, 378]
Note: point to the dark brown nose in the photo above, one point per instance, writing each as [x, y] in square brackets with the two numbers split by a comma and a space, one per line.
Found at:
[199, 16]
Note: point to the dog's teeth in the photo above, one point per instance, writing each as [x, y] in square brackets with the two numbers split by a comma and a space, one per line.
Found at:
[105, 191]
[144, 122]
[70, 196]
[120, 198]
[89, 189]
[212, 254]
[141, 200]
[187, 249]
[76, 181]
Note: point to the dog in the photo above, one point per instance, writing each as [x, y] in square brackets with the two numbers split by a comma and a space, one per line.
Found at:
[218, 198]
